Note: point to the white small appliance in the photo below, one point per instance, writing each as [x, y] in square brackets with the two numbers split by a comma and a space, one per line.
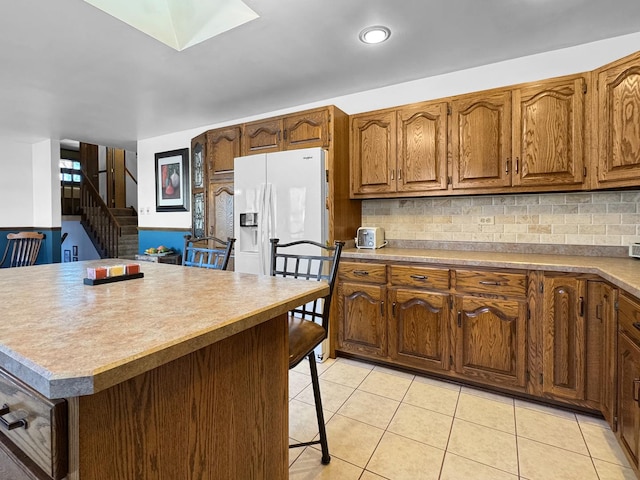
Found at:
[634, 250]
[370, 237]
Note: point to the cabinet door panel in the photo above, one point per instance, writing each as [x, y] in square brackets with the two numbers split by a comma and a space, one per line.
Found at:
[221, 210]
[628, 408]
[306, 130]
[548, 134]
[619, 124]
[223, 146]
[481, 141]
[419, 328]
[564, 338]
[362, 318]
[262, 137]
[373, 153]
[602, 337]
[422, 148]
[490, 339]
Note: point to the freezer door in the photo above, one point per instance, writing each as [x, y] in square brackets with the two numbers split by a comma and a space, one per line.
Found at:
[248, 202]
[297, 204]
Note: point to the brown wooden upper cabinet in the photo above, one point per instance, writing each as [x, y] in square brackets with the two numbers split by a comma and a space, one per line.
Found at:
[549, 133]
[618, 120]
[373, 153]
[223, 145]
[301, 130]
[306, 130]
[481, 140]
[399, 151]
[529, 136]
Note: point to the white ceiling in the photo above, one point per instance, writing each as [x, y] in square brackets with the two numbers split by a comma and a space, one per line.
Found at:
[69, 70]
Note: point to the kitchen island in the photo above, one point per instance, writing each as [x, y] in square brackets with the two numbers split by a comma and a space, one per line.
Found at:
[181, 374]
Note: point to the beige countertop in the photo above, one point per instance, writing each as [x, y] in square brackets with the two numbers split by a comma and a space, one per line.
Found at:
[622, 272]
[66, 339]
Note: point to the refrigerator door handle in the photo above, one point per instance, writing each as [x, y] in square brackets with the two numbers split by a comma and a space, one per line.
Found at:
[269, 228]
[271, 206]
[262, 220]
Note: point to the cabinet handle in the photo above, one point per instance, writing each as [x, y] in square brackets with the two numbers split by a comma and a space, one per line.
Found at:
[459, 318]
[11, 425]
[517, 164]
[582, 306]
[599, 312]
[507, 165]
[361, 273]
[636, 325]
[486, 282]
[400, 174]
[393, 309]
[393, 174]
[636, 382]
[382, 309]
[419, 277]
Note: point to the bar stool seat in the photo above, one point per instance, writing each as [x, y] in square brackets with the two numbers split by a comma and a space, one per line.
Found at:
[302, 334]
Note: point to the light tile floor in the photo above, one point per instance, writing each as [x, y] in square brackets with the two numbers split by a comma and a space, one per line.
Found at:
[385, 424]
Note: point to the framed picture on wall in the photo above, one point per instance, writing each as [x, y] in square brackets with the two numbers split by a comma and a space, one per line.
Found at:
[172, 181]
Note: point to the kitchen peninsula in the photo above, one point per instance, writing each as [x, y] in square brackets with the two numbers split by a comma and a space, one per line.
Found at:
[180, 374]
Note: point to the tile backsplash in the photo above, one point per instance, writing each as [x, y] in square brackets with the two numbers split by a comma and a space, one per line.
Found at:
[610, 218]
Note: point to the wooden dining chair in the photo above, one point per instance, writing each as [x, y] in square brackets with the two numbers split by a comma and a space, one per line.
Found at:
[22, 249]
[308, 324]
[215, 257]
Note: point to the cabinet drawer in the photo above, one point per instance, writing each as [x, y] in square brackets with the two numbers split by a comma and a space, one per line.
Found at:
[629, 317]
[44, 437]
[491, 283]
[363, 272]
[410, 276]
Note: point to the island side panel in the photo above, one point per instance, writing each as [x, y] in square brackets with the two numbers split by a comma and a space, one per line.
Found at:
[218, 413]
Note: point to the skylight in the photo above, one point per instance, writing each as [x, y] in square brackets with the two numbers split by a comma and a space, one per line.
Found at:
[179, 23]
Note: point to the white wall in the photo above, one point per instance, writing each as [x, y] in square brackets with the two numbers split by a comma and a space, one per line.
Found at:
[526, 69]
[16, 184]
[47, 207]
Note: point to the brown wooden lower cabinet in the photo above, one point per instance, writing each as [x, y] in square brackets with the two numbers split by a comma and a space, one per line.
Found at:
[419, 328]
[629, 377]
[564, 337]
[363, 318]
[629, 410]
[490, 340]
[533, 333]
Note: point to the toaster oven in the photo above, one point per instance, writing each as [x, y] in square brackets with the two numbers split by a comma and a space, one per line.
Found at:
[370, 237]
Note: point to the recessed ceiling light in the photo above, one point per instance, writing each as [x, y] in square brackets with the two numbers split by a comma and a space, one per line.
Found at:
[375, 34]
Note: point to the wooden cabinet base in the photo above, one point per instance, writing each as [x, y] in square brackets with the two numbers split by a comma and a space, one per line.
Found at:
[220, 412]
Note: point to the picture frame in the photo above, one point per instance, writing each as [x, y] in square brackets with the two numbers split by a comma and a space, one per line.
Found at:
[172, 181]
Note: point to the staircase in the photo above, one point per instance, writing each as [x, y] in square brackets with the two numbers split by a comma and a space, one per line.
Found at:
[113, 231]
[128, 242]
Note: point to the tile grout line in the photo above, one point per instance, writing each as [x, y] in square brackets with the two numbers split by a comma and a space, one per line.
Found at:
[453, 419]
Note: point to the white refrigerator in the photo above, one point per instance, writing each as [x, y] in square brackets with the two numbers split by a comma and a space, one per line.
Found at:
[278, 195]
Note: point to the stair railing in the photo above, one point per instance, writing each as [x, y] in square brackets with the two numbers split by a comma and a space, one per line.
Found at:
[101, 225]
